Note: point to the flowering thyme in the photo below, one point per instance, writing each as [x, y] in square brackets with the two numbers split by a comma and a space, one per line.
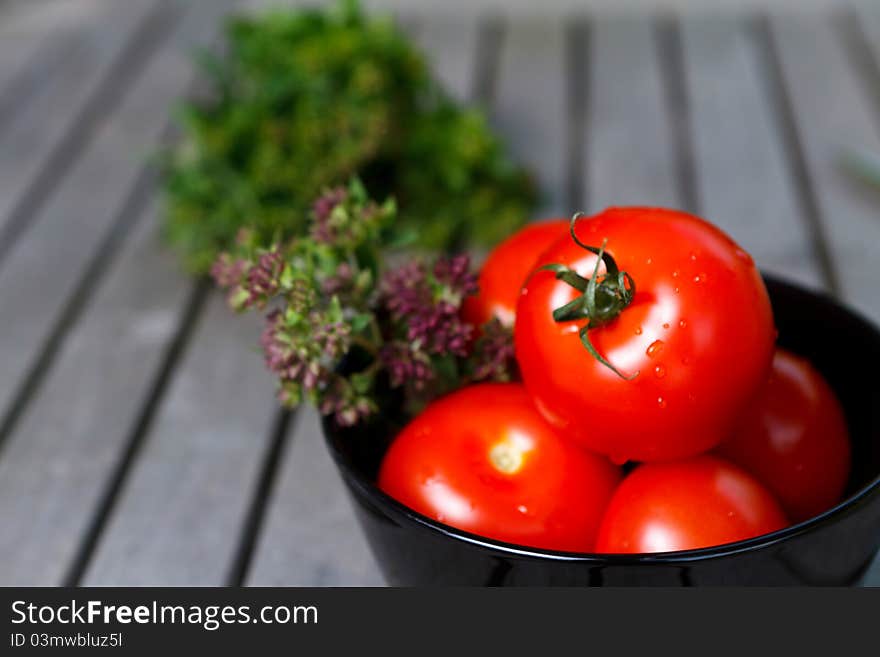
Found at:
[427, 302]
[338, 321]
[494, 358]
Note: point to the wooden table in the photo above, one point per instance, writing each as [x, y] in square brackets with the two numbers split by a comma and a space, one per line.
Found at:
[140, 442]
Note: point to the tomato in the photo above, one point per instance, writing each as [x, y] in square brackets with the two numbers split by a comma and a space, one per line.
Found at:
[690, 333]
[506, 269]
[483, 459]
[684, 505]
[794, 439]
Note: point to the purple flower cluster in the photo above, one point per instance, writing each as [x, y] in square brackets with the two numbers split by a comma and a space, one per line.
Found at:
[341, 280]
[427, 302]
[262, 279]
[455, 273]
[304, 351]
[408, 329]
[494, 358]
[406, 365]
[250, 283]
[345, 405]
[322, 230]
[227, 271]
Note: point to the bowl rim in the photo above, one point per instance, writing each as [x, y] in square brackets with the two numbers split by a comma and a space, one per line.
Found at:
[367, 488]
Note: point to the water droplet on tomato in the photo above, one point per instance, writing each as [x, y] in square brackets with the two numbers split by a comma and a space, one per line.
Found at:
[666, 325]
[649, 261]
[654, 348]
[660, 371]
[693, 256]
[638, 330]
[675, 274]
[700, 278]
[682, 323]
[661, 402]
[522, 508]
[676, 290]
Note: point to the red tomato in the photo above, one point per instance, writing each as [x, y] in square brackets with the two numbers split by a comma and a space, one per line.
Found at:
[506, 269]
[685, 505]
[482, 459]
[697, 337]
[794, 439]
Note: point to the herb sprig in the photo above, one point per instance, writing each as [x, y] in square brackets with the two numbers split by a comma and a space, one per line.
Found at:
[342, 326]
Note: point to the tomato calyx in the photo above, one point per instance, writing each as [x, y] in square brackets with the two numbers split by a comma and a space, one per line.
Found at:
[602, 297]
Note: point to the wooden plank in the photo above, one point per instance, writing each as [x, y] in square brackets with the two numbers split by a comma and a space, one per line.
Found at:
[311, 536]
[178, 518]
[55, 466]
[828, 117]
[30, 141]
[449, 43]
[25, 62]
[529, 108]
[629, 150]
[53, 253]
[36, 18]
[29, 48]
[743, 181]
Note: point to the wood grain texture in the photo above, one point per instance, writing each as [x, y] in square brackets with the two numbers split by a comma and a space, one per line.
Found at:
[65, 77]
[179, 515]
[311, 536]
[53, 253]
[743, 181]
[529, 108]
[629, 151]
[55, 466]
[833, 113]
[91, 398]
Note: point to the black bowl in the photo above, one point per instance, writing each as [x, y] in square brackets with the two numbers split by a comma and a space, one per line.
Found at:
[833, 548]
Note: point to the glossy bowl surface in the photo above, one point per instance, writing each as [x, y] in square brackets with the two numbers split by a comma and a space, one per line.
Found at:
[833, 548]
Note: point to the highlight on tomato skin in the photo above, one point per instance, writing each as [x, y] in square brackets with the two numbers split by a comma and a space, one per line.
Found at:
[794, 439]
[692, 346]
[482, 459]
[507, 268]
[684, 505]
